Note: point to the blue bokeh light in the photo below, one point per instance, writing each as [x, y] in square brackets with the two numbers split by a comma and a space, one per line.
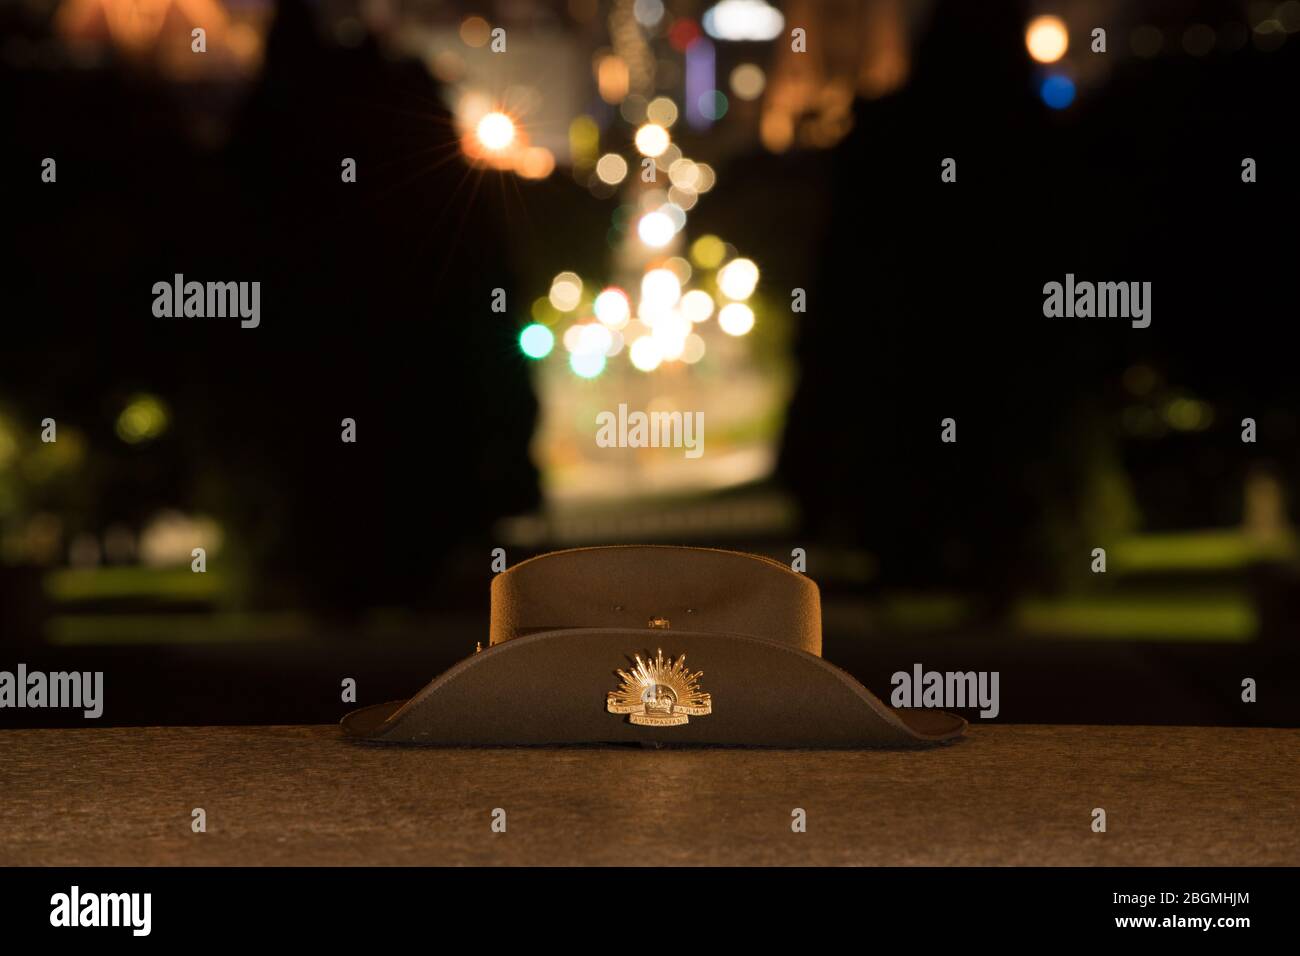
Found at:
[1057, 91]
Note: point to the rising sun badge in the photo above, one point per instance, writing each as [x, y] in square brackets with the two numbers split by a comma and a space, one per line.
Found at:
[660, 692]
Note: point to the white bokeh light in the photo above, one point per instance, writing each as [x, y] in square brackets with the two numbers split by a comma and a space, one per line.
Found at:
[656, 229]
[738, 278]
[736, 318]
[697, 305]
[566, 291]
[645, 354]
[652, 140]
[660, 289]
[612, 308]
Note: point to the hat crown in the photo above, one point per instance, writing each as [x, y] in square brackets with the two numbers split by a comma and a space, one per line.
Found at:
[660, 587]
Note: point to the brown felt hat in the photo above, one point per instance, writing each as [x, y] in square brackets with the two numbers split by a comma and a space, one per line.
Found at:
[651, 644]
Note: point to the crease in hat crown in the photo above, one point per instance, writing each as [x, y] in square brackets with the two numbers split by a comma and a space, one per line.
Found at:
[686, 589]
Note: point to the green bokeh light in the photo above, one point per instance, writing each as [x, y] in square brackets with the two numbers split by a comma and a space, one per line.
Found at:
[536, 340]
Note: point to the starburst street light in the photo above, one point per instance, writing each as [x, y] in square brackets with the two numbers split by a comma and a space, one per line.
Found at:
[495, 131]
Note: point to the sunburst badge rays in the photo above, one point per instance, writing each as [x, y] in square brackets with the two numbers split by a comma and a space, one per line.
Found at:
[660, 692]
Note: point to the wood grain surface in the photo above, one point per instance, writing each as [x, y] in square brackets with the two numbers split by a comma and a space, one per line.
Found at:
[305, 796]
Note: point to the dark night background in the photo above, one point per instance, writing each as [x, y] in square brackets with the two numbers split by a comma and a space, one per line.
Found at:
[372, 560]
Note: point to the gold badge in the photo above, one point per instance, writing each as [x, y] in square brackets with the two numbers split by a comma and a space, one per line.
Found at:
[660, 693]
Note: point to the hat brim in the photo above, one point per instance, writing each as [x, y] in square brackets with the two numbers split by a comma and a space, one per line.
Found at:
[551, 687]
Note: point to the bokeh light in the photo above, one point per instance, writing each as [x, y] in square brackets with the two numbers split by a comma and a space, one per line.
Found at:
[1047, 39]
[495, 131]
[736, 318]
[713, 104]
[661, 111]
[612, 308]
[683, 199]
[660, 289]
[708, 251]
[697, 305]
[566, 291]
[144, 419]
[656, 229]
[543, 312]
[584, 140]
[648, 13]
[645, 354]
[652, 139]
[611, 169]
[683, 33]
[475, 31]
[587, 364]
[664, 161]
[684, 174]
[680, 268]
[536, 341]
[633, 109]
[676, 215]
[612, 79]
[693, 349]
[594, 338]
[670, 333]
[743, 20]
[738, 278]
[535, 162]
[748, 81]
[1057, 91]
[1186, 414]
